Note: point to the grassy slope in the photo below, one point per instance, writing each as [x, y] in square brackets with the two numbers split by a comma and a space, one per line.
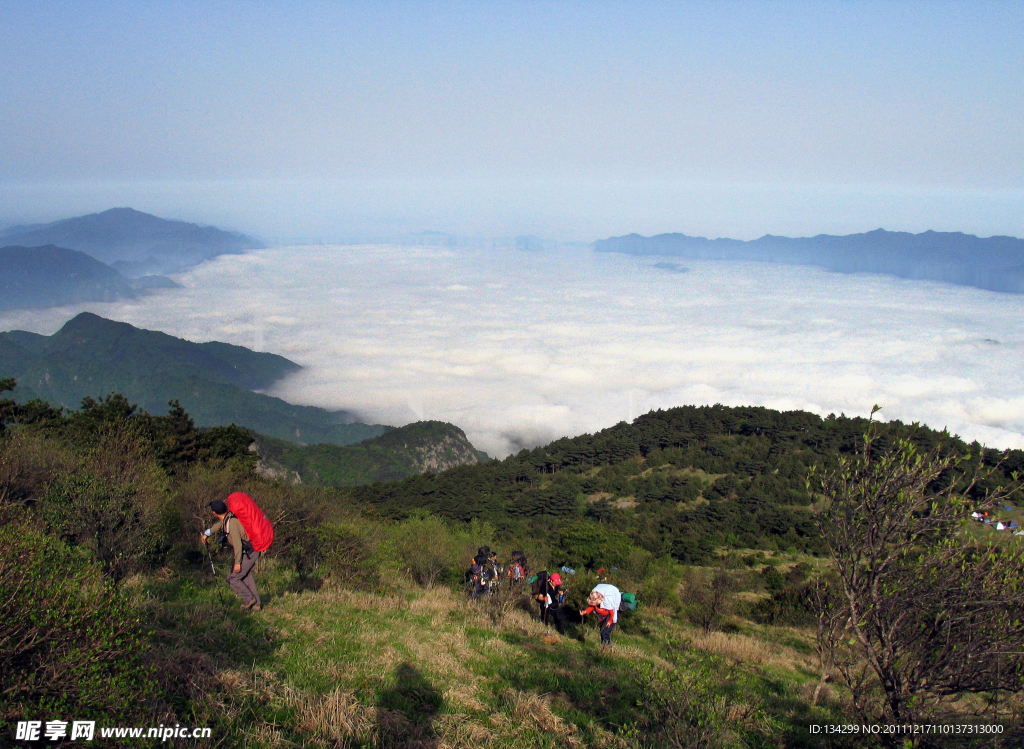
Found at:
[337, 667]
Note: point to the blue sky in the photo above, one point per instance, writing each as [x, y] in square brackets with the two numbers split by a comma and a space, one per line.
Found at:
[330, 121]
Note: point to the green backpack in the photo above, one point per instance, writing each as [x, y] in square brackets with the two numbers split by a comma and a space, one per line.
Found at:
[628, 602]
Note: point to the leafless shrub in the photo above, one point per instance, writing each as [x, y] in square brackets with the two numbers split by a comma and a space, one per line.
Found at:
[198, 488]
[355, 554]
[916, 612]
[708, 598]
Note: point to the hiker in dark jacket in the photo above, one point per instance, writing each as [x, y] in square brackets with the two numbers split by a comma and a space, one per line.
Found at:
[552, 612]
[494, 572]
[242, 578]
[476, 576]
[540, 594]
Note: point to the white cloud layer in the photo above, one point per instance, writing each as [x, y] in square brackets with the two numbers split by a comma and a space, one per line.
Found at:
[521, 348]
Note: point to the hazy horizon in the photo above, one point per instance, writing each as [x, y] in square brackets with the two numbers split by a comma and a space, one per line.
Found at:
[289, 213]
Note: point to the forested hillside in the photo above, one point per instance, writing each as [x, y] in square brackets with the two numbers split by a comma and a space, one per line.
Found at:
[680, 482]
[213, 381]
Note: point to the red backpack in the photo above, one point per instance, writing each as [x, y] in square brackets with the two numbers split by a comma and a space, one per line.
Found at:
[256, 524]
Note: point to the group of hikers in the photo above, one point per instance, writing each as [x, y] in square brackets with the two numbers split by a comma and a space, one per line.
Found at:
[486, 574]
[243, 526]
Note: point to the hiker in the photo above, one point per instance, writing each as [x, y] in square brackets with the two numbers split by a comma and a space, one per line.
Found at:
[540, 593]
[480, 572]
[552, 611]
[476, 576]
[492, 572]
[517, 569]
[604, 601]
[481, 557]
[246, 549]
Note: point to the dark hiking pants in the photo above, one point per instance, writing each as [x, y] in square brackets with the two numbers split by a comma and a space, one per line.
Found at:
[553, 615]
[243, 582]
[607, 625]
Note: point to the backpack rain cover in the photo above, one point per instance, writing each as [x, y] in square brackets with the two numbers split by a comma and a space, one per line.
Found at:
[252, 518]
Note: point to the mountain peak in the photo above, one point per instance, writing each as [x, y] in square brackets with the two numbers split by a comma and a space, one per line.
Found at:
[133, 242]
[88, 321]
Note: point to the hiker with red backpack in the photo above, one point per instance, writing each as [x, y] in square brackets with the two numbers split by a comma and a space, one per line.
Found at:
[250, 533]
[517, 568]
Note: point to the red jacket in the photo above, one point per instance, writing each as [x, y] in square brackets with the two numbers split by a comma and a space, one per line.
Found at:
[603, 613]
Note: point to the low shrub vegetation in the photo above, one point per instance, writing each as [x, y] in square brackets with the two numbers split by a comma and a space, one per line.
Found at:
[71, 641]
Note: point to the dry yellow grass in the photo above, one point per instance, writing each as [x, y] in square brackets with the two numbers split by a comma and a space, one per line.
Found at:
[445, 653]
[359, 600]
[532, 711]
[737, 647]
[264, 736]
[461, 732]
[523, 623]
[464, 695]
[337, 716]
[434, 600]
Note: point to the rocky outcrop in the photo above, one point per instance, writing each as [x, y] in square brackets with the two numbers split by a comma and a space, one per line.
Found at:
[449, 452]
[422, 447]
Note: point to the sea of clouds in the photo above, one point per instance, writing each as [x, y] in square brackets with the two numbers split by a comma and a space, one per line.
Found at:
[519, 348]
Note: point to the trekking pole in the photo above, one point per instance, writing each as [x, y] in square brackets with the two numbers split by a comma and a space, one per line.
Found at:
[209, 556]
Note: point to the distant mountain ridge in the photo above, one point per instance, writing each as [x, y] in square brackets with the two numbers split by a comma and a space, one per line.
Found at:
[214, 382]
[993, 263]
[51, 276]
[134, 243]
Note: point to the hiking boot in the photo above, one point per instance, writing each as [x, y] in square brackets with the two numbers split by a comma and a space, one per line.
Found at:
[253, 605]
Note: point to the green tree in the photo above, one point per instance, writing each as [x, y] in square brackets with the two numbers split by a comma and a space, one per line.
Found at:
[33, 412]
[591, 545]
